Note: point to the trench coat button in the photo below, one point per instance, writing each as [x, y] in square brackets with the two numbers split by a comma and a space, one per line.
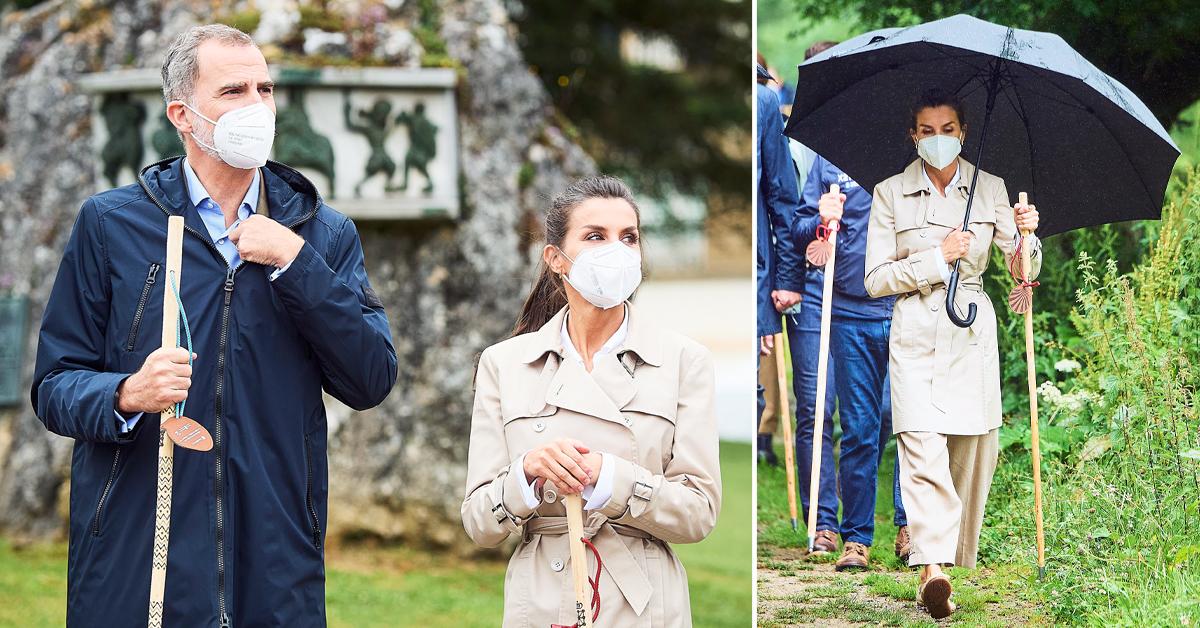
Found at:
[550, 495]
[934, 307]
[924, 234]
[539, 426]
[557, 564]
[626, 421]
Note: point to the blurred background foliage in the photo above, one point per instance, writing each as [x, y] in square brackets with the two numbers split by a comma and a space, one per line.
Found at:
[604, 61]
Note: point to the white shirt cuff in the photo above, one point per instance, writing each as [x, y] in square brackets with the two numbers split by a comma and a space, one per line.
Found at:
[279, 271]
[124, 426]
[943, 267]
[527, 492]
[598, 494]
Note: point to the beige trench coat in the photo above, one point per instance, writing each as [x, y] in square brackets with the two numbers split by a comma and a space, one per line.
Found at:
[650, 406]
[945, 379]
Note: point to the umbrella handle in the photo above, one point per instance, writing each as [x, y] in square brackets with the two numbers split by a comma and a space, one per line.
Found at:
[951, 289]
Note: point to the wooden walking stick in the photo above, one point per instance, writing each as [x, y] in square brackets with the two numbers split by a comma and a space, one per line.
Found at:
[173, 428]
[785, 417]
[822, 251]
[1021, 302]
[574, 505]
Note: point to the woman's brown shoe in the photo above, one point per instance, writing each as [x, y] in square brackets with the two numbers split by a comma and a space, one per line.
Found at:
[854, 557]
[934, 595]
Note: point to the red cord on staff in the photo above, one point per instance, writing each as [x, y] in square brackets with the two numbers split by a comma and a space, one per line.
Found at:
[595, 583]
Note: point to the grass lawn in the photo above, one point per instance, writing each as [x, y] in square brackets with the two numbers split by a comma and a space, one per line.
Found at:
[397, 586]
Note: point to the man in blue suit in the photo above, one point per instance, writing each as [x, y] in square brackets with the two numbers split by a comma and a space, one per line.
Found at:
[856, 372]
[779, 264]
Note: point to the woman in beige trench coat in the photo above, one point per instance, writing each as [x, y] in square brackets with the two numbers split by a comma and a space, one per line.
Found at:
[590, 396]
[946, 409]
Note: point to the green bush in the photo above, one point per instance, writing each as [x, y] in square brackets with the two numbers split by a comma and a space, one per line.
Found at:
[1120, 430]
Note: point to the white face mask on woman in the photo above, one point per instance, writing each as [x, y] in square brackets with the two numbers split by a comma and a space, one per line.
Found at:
[605, 275]
[242, 137]
[939, 150]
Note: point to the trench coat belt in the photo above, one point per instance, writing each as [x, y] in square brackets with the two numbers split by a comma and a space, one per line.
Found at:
[618, 560]
[974, 283]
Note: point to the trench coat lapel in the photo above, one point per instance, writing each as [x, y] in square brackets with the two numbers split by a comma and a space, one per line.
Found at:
[573, 388]
[611, 385]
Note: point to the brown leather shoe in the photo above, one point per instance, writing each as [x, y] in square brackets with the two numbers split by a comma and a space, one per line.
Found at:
[903, 544]
[854, 557]
[826, 542]
[934, 595]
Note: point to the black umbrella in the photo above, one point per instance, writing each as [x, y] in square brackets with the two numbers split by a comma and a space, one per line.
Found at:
[1042, 118]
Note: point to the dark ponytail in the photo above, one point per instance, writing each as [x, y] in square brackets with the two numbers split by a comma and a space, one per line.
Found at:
[548, 295]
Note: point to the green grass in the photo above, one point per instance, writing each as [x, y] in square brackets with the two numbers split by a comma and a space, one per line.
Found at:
[720, 568]
[379, 586]
[1001, 594]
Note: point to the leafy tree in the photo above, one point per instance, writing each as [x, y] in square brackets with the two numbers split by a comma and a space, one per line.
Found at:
[659, 126]
[1152, 47]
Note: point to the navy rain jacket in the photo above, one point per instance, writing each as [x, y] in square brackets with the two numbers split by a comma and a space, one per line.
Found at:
[779, 262]
[248, 517]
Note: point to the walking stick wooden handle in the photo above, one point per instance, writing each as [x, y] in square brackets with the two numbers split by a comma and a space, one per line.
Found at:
[166, 447]
[822, 368]
[785, 417]
[1031, 375]
[574, 505]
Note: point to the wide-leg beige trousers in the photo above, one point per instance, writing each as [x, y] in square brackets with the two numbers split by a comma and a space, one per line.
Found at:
[944, 480]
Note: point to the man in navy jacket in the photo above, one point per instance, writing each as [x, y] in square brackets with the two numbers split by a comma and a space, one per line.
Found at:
[779, 265]
[280, 309]
[857, 371]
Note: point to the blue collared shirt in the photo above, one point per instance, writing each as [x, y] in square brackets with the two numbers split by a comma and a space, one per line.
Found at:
[214, 221]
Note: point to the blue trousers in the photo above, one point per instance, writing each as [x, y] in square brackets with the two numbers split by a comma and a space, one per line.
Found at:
[856, 384]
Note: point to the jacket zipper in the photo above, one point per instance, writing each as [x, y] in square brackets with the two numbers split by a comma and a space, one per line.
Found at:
[308, 497]
[220, 447]
[112, 476]
[223, 614]
[137, 317]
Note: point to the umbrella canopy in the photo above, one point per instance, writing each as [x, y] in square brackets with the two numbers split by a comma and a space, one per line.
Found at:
[1083, 146]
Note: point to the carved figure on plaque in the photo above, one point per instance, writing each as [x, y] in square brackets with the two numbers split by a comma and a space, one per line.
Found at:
[165, 138]
[376, 130]
[298, 144]
[123, 117]
[422, 148]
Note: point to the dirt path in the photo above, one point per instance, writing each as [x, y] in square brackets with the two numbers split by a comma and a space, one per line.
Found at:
[796, 591]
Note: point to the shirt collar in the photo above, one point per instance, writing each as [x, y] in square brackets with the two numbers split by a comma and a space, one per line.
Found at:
[609, 346]
[642, 338]
[198, 194]
[915, 178]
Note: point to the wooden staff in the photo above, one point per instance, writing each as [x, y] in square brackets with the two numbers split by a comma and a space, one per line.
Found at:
[1023, 199]
[822, 367]
[785, 417]
[574, 505]
[166, 446]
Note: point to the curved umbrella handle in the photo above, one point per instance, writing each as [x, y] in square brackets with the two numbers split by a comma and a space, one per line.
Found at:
[951, 288]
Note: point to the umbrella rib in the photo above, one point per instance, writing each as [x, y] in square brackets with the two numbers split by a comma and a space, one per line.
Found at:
[1019, 107]
[1103, 122]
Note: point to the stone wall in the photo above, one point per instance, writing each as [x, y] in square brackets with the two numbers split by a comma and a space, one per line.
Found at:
[450, 289]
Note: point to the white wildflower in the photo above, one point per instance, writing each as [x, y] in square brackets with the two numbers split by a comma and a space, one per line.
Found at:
[1066, 366]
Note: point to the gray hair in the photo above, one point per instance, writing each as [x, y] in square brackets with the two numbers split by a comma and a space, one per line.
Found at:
[180, 67]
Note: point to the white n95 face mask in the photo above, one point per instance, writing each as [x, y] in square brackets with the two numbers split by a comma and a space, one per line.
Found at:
[242, 137]
[939, 150]
[605, 275]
